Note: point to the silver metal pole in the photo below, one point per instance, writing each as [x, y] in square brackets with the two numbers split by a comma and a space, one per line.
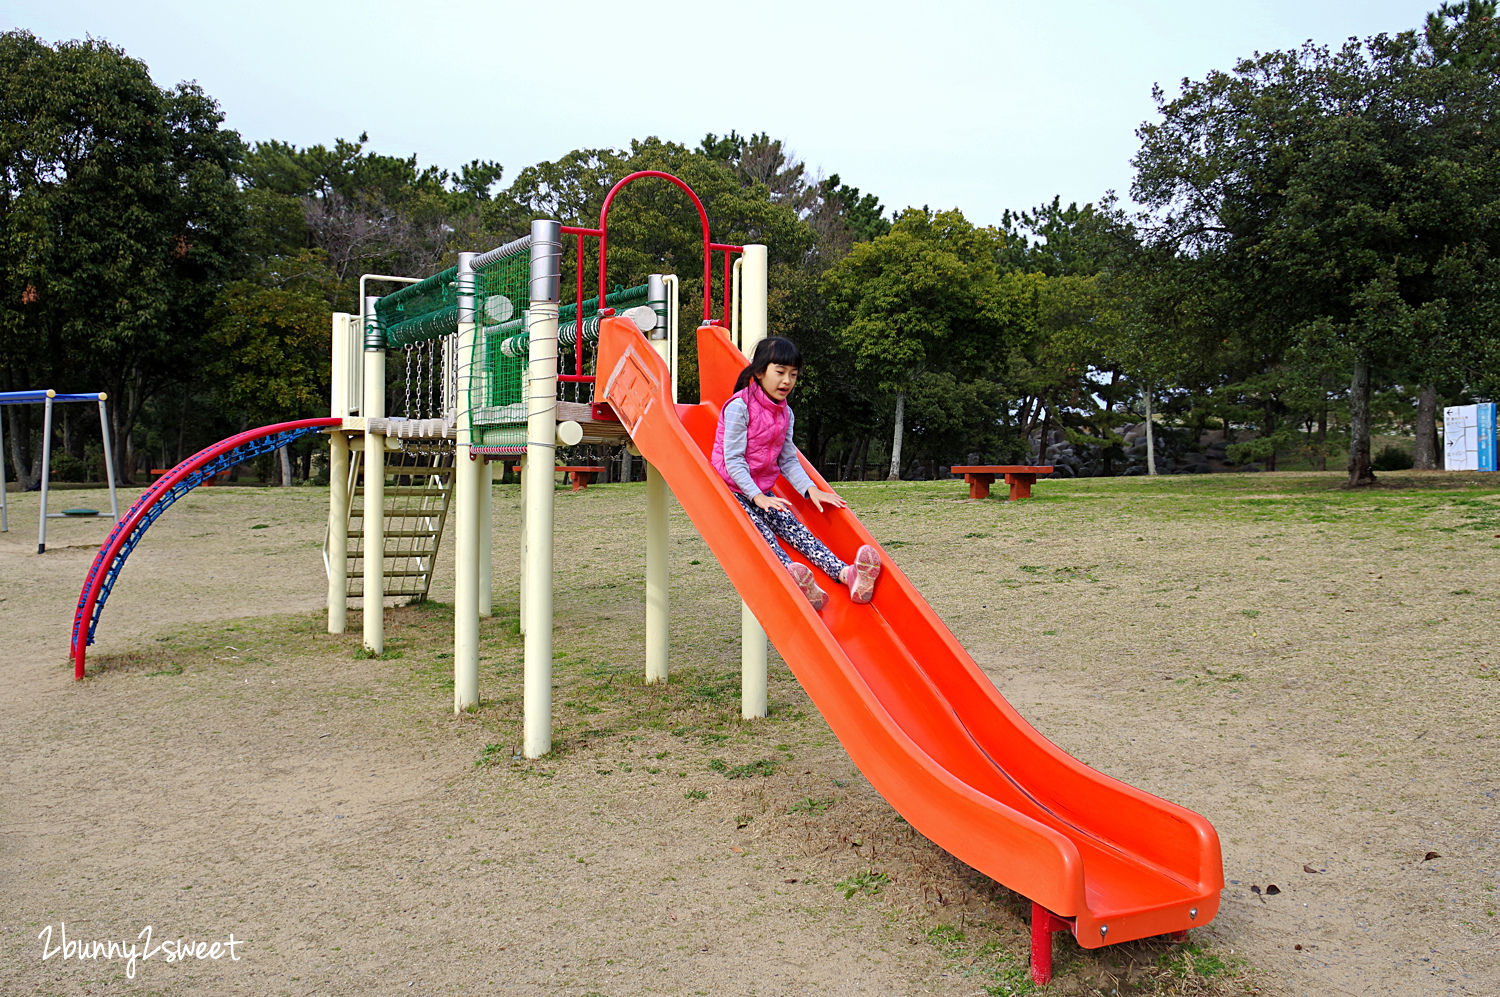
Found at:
[41, 536]
[109, 458]
[4, 514]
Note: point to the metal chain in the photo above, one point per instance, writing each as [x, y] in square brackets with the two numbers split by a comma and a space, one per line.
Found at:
[420, 412]
[434, 410]
[408, 351]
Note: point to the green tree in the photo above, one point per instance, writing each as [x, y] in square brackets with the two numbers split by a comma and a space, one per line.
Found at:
[1162, 327]
[1064, 372]
[265, 355]
[1348, 196]
[1060, 241]
[119, 215]
[917, 300]
[368, 212]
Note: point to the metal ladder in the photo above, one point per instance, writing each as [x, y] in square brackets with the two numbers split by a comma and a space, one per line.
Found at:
[417, 492]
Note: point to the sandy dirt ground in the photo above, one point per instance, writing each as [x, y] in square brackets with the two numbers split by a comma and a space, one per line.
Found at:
[1322, 685]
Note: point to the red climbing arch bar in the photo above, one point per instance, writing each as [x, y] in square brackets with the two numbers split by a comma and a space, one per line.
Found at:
[597, 233]
[602, 234]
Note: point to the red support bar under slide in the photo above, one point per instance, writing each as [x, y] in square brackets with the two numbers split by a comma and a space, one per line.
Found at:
[926, 726]
[1044, 924]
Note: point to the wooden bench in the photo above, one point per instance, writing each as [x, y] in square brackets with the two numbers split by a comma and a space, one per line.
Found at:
[581, 477]
[1020, 477]
[217, 479]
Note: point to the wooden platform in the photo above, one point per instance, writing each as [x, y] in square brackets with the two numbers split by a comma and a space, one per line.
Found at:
[594, 430]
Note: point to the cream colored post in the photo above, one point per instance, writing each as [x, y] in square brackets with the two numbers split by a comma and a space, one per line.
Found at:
[466, 495]
[658, 539]
[521, 473]
[674, 289]
[753, 294]
[753, 666]
[541, 434]
[338, 532]
[373, 519]
[486, 538]
[342, 373]
[657, 551]
[755, 283]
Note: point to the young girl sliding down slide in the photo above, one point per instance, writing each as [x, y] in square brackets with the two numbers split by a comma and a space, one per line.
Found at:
[754, 447]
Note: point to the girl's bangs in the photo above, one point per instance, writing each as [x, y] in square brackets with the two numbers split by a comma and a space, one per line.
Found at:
[783, 352]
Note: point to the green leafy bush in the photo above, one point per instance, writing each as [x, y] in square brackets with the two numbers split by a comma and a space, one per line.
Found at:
[1392, 458]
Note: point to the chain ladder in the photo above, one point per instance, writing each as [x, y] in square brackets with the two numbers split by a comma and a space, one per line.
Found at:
[409, 350]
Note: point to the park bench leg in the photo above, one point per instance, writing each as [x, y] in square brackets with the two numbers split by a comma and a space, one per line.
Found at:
[580, 479]
[1020, 485]
[979, 485]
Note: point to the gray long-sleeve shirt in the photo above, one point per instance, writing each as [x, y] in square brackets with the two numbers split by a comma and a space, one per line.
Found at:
[736, 438]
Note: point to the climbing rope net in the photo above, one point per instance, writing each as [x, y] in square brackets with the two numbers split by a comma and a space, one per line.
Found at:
[422, 321]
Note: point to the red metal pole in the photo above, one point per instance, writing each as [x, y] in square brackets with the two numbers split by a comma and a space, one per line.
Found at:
[702, 220]
[1044, 924]
[728, 279]
[602, 233]
[94, 582]
[578, 305]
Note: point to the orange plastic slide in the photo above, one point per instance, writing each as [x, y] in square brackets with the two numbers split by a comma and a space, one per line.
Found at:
[922, 722]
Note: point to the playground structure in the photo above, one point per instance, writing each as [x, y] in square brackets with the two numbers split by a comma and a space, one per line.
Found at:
[486, 381]
[47, 398]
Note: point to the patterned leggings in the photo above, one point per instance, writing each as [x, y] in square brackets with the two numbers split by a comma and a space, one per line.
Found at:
[773, 523]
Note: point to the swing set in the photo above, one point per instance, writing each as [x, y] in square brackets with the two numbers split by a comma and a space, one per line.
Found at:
[47, 397]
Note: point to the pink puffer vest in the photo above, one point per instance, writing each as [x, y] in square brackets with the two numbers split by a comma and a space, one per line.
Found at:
[767, 435]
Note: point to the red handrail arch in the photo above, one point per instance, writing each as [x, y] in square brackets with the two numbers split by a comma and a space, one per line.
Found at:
[702, 220]
[602, 234]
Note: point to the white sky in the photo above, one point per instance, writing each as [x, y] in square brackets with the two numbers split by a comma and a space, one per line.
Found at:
[949, 103]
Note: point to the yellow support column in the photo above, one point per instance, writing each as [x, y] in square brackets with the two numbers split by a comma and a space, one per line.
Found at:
[486, 539]
[658, 540]
[467, 478]
[338, 532]
[541, 433]
[754, 275]
[373, 517]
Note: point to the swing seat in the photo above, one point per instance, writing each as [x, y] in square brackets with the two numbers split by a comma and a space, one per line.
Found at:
[80, 512]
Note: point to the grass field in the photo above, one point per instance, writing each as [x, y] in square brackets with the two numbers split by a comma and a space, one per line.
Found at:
[1312, 669]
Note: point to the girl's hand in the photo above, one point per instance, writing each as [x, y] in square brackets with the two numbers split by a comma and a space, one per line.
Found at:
[771, 502]
[818, 497]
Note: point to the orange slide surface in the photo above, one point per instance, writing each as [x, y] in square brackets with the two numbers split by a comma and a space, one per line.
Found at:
[917, 716]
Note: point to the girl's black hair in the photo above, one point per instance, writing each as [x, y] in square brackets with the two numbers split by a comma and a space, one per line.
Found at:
[771, 350]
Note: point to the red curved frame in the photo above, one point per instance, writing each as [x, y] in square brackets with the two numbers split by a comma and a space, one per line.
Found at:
[602, 234]
[163, 486]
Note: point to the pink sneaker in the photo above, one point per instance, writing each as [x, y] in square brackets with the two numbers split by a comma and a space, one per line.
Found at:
[863, 572]
[808, 583]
